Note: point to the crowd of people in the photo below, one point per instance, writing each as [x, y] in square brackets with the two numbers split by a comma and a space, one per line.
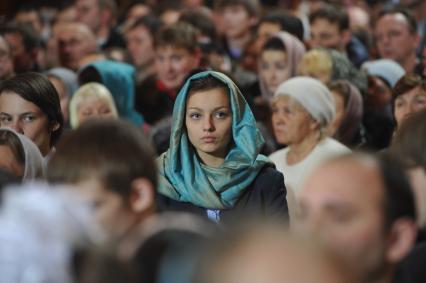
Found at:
[213, 141]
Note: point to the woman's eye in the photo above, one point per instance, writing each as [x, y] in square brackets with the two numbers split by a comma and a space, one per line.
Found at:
[28, 118]
[195, 116]
[221, 115]
[5, 119]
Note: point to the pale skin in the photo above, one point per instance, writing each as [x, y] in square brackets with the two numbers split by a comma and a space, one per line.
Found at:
[409, 103]
[173, 64]
[93, 107]
[273, 69]
[208, 122]
[349, 217]
[26, 118]
[294, 127]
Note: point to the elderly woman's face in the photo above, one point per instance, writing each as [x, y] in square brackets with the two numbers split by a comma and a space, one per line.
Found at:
[290, 121]
[409, 103]
[25, 118]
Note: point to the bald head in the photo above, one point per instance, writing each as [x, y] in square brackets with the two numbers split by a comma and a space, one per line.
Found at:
[265, 254]
[75, 40]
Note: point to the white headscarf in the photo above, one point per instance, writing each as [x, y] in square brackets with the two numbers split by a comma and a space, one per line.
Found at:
[313, 95]
[39, 228]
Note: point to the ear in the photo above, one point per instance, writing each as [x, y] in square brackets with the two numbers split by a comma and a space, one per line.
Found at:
[401, 240]
[142, 195]
[314, 125]
[54, 127]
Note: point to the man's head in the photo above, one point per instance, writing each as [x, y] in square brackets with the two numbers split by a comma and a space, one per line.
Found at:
[29, 15]
[409, 146]
[177, 54]
[112, 165]
[23, 43]
[140, 40]
[96, 14]
[369, 221]
[6, 65]
[75, 40]
[239, 16]
[329, 28]
[396, 36]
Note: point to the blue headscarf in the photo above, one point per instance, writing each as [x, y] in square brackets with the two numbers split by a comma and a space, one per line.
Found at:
[182, 175]
[119, 79]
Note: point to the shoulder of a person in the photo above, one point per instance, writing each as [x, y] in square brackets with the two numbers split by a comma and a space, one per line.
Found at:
[278, 154]
[333, 145]
[268, 175]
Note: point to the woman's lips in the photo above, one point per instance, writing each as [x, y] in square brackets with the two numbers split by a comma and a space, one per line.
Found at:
[208, 139]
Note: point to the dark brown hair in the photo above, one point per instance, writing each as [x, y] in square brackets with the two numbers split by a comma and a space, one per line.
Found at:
[37, 89]
[113, 151]
[407, 83]
[180, 35]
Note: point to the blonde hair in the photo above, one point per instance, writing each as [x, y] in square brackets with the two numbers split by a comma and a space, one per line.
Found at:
[315, 61]
[90, 90]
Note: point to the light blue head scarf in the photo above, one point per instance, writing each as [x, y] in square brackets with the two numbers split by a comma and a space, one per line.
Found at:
[119, 79]
[184, 178]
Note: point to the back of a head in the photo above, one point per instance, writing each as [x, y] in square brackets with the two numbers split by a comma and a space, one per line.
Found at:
[112, 151]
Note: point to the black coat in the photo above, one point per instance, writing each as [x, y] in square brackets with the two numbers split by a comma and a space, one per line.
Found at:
[264, 197]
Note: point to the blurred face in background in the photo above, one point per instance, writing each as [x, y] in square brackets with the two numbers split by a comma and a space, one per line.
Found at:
[273, 69]
[173, 64]
[140, 46]
[347, 216]
[290, 121]
[409, 103]
[237, 22]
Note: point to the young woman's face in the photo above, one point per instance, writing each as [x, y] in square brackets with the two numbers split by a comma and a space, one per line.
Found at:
[93, 107]
[208, 122]
[273, 69]
[25, 118]
[8, 161]
[409, 103]
[291, 123]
